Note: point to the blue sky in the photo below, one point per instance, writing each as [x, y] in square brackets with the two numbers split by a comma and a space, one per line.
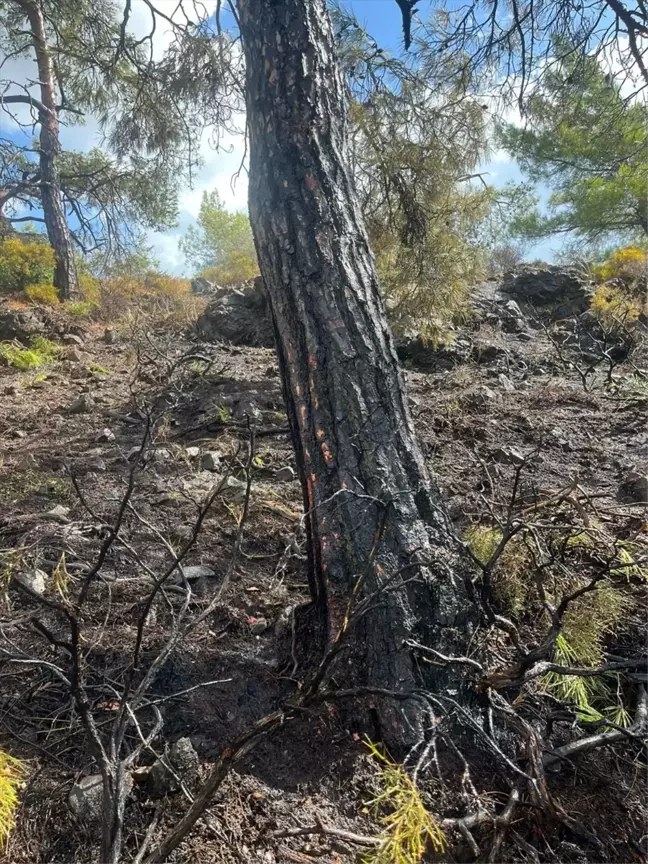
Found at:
[382, 19]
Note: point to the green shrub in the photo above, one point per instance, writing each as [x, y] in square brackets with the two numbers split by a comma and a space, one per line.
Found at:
[43, 293]
[24, 262]
[40, 352]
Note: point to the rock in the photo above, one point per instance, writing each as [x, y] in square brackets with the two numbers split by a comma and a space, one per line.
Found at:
[97, 464]
[71, 339]
[426, 355]
[19, 433]
[109, 336]
[508, 456]
[487, 352]
[36, 580]
[271, 372]
[161, 454]
[82, 404]
[565, 289]
[247, 409]
[240, 317]
[192, 452]
[285, 474]
[210, 461]
[257, 626]
[185, 765]
[106, 435]
[202, 286]
[20, 324]
[73, 354]
[633, 489]
[86, 797]
[235, 490]
[507, 385]
[11, 390]
[198, 571]
[58, 514]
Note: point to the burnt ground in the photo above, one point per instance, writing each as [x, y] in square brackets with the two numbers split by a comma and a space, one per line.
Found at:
[201, 396]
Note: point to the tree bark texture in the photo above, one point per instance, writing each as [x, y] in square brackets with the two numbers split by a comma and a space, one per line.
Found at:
[58, 232]
[375, 527]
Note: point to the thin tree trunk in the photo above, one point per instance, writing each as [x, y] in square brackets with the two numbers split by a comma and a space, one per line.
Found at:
[65, 275]
[374, 523]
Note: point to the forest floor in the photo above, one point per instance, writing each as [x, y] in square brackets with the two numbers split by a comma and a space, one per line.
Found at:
[511, 397]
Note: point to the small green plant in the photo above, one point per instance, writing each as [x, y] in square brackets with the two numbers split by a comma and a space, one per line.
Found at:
[12, 776]
[43, 294]
[508, 576]
[96, 369]
[61, 577]
[80, 308]
[410, 829]
[40, 352]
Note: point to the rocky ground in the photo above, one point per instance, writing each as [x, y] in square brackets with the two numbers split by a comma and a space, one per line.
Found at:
[71, 439]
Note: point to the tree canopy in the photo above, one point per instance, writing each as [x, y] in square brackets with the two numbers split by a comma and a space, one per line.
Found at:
[589, 144]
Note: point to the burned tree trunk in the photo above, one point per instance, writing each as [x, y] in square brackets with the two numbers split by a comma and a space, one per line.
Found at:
[58, 232]
[374, 522]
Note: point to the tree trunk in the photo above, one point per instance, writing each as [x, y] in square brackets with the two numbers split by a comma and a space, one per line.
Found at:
[65, 275]
[375, 527]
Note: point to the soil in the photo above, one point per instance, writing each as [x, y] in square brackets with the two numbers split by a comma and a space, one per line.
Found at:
[207, 397]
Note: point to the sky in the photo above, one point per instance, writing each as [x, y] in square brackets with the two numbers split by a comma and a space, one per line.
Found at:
[221, 169]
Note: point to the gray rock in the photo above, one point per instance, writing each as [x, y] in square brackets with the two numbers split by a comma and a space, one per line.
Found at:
[203, 287]
[35, 579]
[20, 324]
[247, 409]
[210, 461]
[86, 797]
[83, 404]
[508, 456]
[11, 390]
[235, 490]
[487, 352]
[184, 763]
[97, 464]
[240, 316]
[507, 385]
[106, 435]
[565, 289]
[633, 489]
[423, 354]
[192, 452]
[198, 571]
[73, 354]
[19, 433]
[58, 514]
[109, 336]
[71, 339]
[161, 454]
[285, 474]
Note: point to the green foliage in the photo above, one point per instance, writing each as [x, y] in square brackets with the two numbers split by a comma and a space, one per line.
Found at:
[40, 352]
[417, 137]
[590, 146]
[221, 246]
[510, 581]
[24, 262]
[410, 829]
[43, 294]
[620, 299]
[12, 777]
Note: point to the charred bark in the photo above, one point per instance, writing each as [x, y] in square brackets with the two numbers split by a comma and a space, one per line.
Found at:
[375, 524]
[58, 232]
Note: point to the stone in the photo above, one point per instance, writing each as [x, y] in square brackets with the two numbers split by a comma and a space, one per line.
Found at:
[285, 474]
[202, 286]
[239, 316]
[633, 489]
[20, 324]
[86, 797]
[246, 409]
[71, 339]
[19, 433]
[508, 456]
[566, 290]
[58, 514]
[161, 454]
[235, 490]
[192, 452]
[271, 372]
[83, 404]
[198, 571]
[487, 352]
[36, 580]
[73, 354]
[11, 390]
[425, 355]
[97, 464]
[210, 461]
[109, 336]
[106, 435]
[185, 765]
[507, 385]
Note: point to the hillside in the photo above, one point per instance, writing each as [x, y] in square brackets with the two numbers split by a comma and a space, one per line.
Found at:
[135, 428]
